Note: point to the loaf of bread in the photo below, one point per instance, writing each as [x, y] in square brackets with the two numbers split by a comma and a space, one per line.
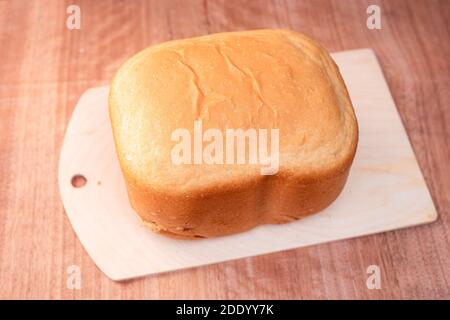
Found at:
[218, 134]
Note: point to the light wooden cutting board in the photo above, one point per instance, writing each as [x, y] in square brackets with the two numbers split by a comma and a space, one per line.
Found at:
[385, 189]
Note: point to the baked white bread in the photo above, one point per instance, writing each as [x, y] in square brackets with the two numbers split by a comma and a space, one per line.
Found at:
[263, 79]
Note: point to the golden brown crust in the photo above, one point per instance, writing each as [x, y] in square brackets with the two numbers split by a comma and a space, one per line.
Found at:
[263, 79]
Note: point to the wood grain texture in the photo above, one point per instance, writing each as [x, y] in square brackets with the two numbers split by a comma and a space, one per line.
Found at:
[45, 67]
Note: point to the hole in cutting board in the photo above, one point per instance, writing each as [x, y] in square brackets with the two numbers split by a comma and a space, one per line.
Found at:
[78, 181]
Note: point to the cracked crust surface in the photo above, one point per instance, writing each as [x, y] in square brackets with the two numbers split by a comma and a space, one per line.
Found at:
[254, 79]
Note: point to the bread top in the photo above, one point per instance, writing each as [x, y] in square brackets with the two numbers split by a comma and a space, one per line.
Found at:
[262, 79]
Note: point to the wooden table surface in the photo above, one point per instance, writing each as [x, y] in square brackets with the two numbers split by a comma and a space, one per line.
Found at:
[45, 67]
